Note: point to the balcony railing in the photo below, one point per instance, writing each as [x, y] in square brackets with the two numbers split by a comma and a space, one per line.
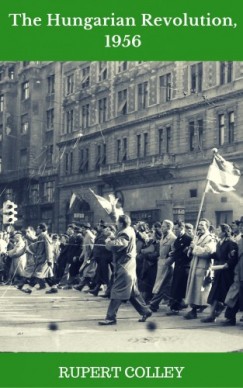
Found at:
[165, 160]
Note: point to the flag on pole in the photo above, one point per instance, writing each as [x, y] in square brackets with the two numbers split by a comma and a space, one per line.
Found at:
[103, 202]
[72, 199]
[222, 175]
[110, 206]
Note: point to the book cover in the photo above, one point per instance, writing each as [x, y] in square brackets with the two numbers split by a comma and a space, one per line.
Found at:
[125, 105]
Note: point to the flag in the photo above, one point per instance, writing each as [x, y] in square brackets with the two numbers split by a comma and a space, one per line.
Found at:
[222, 175]
[110, 205]
[103, 202]
[72, 199]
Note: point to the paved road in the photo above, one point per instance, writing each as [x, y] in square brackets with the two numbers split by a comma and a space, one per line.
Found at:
[25, 320]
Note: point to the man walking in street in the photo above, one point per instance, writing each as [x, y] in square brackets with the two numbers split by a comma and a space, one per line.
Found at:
[198, 285]
[125, 282]
[164, 275]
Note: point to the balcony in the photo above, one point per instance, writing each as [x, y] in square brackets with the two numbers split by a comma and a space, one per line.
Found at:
[165, 160]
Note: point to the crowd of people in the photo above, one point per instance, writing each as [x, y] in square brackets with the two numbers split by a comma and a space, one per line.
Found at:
[166, 263]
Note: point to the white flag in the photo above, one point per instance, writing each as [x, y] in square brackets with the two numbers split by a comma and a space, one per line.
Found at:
[222, 175]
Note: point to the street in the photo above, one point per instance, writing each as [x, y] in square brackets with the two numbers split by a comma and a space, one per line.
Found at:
[26, 322]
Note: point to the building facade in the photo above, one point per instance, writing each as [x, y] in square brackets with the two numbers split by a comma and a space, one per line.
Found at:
[142, 130]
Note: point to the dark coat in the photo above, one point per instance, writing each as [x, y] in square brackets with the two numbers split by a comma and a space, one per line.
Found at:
[124, 260]
[235, 292]
[226, 253]
[43, 254]
[181, 269]
[76, 249]
[149, 257]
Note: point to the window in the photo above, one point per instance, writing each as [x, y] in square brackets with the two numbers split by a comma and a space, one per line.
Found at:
[121, 149]
[23, 158]
[70, 84]
[118, 150]
[191, 135]
[165, 87]
[1, 133]
[102, 107]
[85, 77]
[160, 141]
[49, 155]
[51, 84]
[200, 133]
[101, 156]
[11, 73]
[139, 146]
[1, 102]
[103, 73]
[122, 102]
[85, 116]
[68, 163]
[25, 90]
[145, 138]
[231, 124]
[221, 129]
[1, 165]
[122, 66]
[50, 118]
[69, 121]
[49, 189]
[1, 74]
[142, 95]
[195, 135]
[84, 160]
[34, 194]
[226, 72]
[193, 193]
[24, 128]
[168, 139]
[196, 77]
[124, 154]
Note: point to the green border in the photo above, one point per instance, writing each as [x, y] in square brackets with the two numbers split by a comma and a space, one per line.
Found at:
[200, 369]
[62, 44]
[158, 43]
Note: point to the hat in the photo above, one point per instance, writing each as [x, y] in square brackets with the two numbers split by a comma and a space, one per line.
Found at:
[77, 229]
[42, 226]
[87, 225]
[65, 235]
[157, 225]
[72, 226]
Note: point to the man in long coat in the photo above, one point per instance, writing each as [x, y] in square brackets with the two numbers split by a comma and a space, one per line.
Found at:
[162, 286]
[181, 261]
[202, 248]
[125, 282]
[43, 253]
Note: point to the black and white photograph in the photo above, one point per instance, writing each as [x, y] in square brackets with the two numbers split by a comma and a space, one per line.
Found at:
[121, 201]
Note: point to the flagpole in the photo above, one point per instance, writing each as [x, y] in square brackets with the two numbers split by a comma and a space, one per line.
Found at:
[215, 151]
[201, 205]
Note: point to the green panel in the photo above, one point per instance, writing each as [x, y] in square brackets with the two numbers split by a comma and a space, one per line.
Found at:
[172, 42]
[121, 370]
